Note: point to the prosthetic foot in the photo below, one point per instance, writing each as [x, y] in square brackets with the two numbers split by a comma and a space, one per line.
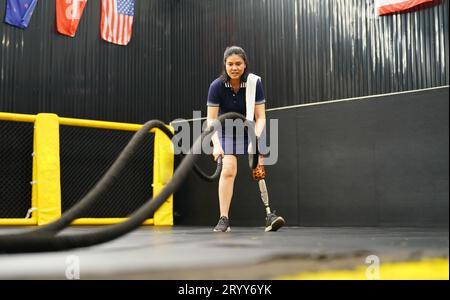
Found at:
[273, 222]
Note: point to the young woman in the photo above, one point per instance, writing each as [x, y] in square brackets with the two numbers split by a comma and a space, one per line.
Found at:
[228, 94]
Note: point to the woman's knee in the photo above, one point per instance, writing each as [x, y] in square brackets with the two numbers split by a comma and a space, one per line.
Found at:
[229, 168]
[229, 172]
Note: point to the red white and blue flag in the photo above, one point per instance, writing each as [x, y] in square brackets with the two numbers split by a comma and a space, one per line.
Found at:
[117, 21]
[384, 7]
[19, 12]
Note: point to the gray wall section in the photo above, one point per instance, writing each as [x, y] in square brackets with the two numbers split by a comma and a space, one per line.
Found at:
[305, 50]
[382, 161]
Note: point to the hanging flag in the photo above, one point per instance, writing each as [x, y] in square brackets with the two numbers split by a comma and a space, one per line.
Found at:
[117, 21]
[68, 15]
[384, 7]
[19, 12]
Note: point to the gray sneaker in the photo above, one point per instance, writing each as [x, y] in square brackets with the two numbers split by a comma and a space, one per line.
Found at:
[274, 222]
[223, 225]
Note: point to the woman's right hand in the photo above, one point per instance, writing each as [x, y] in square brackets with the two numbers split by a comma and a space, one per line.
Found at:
[218, 151]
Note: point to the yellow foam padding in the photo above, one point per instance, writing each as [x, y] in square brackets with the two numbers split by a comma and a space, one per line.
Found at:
[104, 124]
[17, 117]
[34, 191]
[105, 221]
[46, 188]
[99, 124]
[427, 269]
[47, 193]
[15, 221]
[162, 173]
[33, 219]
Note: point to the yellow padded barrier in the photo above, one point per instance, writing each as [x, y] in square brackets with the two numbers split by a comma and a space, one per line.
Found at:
[162, 173]
[46, 184]
[47, 193]
[17, 117]
[17, 221]
[105, 221]
[99, 124]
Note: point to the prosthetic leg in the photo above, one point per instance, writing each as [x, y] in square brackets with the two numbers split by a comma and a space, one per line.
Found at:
[264, 195]
[273, 222]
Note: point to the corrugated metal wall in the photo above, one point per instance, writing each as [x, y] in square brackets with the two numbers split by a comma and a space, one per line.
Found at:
[309, 51]
[306, 51]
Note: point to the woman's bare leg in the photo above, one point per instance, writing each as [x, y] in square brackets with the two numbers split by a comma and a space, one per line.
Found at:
[226, 183]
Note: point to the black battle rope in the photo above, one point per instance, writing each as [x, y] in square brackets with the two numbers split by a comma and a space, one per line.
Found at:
[212, 177]
[44, 239]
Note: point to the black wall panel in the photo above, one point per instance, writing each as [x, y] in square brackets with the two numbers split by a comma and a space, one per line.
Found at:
[382, 161]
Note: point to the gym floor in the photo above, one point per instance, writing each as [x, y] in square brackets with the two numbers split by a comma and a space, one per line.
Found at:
[182, 252]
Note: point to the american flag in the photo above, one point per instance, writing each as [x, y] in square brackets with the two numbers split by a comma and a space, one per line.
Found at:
[117, 21]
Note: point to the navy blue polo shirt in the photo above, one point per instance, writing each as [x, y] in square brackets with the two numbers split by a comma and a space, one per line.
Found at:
[222, 95]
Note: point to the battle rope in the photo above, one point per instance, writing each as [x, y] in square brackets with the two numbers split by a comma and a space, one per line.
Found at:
[45, 239]
[212, 177]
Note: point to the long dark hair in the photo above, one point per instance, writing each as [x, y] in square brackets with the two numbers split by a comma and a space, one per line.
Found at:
[234, 50]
